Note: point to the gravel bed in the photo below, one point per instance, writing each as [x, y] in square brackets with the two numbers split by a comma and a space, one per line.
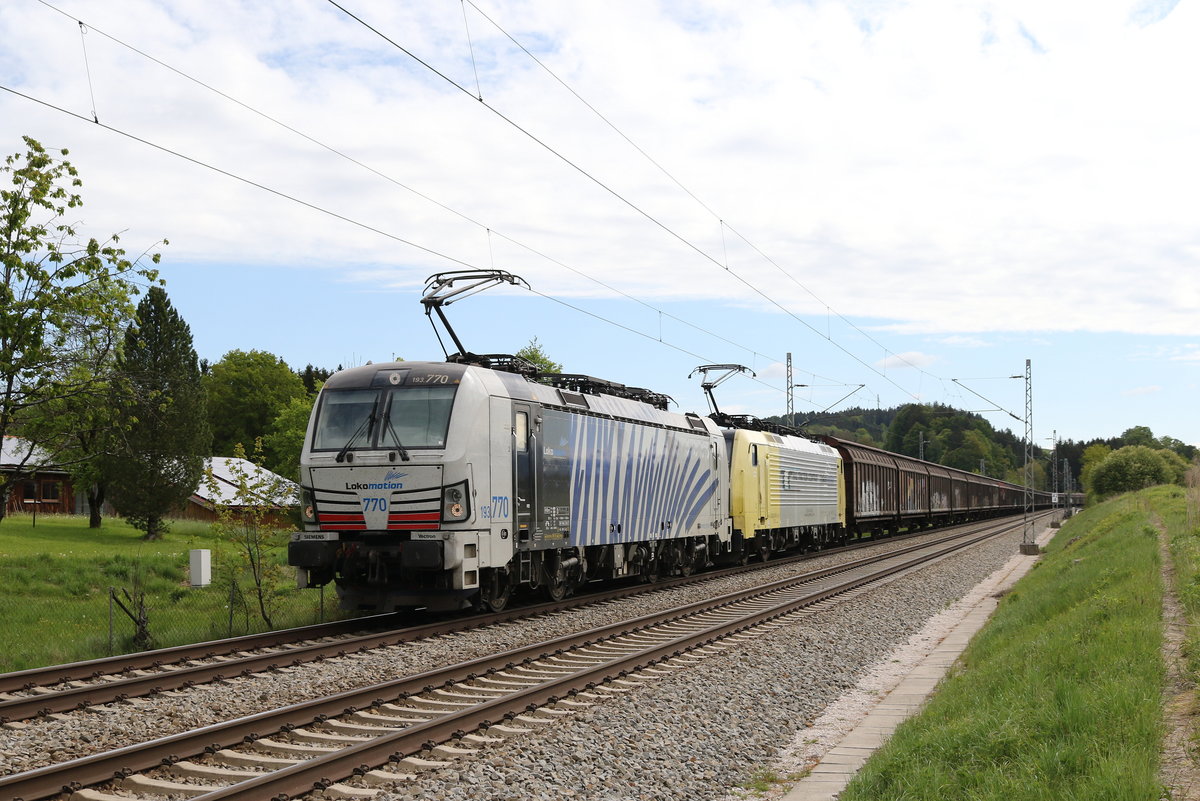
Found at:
[631, 748]
[702, 733]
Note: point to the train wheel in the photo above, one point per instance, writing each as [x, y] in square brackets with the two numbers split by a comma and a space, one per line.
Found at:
[556, 588]
[764, 547]
[652, 572]
[498, 591]
[687, 565]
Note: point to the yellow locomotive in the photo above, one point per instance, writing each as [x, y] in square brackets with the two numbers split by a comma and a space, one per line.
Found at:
[785, 491]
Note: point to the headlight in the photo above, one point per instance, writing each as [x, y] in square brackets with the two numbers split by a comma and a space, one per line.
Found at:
[456, 504]
[307, 509]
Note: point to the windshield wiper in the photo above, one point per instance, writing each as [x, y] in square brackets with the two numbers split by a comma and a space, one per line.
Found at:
[387, 422]
[366, 425]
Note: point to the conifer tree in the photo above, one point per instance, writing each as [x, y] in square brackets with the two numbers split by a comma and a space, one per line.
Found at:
[164, 434]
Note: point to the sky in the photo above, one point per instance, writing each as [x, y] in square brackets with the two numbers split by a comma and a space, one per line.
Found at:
[912, 197]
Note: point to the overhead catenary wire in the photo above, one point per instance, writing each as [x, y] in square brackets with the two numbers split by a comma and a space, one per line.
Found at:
[336, 215]
[403, 240]
[633, 206]
[723, 223]
[489, 232]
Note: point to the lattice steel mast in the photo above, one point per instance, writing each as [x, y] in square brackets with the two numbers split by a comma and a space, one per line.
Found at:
[1028, 546]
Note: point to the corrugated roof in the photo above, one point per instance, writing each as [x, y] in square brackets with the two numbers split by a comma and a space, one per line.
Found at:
[14, 452]
[226, 483]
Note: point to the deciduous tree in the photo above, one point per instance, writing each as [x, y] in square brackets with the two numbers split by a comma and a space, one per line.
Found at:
[535, 354]
[1130, 468]
[246, 391]
[285, 439]
[62, 300]
[247, 518]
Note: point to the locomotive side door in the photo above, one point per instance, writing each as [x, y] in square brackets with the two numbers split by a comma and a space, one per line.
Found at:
[524, 467]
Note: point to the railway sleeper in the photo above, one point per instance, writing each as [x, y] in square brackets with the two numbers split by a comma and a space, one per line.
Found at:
[141, 783]
[388, 720]
[89, 794]
[453, 751]
[304, 736]
[196, 770]
[436, 705]
[291, 749]
[348, 791]
[507, 730]
[420, 763]
[380, 777]
[227, 756]
[363, 728]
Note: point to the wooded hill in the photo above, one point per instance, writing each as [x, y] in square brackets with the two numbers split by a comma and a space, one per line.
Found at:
[967, 441]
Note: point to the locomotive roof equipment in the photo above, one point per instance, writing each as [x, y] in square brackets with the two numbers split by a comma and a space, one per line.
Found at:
[440, 291]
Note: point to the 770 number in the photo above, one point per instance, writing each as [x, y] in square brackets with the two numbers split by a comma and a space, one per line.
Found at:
[375, 504]
[496, 510]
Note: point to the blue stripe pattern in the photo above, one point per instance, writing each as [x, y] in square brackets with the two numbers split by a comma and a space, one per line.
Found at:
[654, 483]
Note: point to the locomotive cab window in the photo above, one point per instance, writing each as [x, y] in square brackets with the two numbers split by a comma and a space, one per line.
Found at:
[416, 417]
[521, 431]
[366, 419]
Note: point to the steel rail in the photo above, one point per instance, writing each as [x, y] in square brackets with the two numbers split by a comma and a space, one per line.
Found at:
[142, 660]
[91, 669]
[172, 675]
[48, 781]
[321, 772]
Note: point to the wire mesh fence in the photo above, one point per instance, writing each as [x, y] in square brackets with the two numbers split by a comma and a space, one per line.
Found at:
[230, 609]
[97, 622]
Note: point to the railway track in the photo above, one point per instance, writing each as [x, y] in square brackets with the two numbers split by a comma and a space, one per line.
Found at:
[64, 688]
[346, 743]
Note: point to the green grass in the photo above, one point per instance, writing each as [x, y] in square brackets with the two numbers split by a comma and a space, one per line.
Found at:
[54, 590]
[1185, 554]
[1059, 696]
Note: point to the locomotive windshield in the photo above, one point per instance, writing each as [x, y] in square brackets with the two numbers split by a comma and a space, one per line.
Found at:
[396, 417]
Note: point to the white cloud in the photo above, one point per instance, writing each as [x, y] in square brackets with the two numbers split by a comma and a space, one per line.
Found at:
[910, 360]
[922, 164]
[773, 370]
[963, 342]
[1150, 390]
[1186, 353]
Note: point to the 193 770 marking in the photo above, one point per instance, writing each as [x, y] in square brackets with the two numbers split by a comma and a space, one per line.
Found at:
[496, 510]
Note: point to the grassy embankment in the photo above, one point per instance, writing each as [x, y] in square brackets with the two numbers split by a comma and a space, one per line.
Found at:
[55, 578]
[1059, 697]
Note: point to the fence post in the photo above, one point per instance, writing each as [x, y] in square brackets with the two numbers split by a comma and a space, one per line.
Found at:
[111, 590]
[232, 588]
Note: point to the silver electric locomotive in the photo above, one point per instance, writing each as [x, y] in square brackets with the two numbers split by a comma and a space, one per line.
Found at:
[446, 485]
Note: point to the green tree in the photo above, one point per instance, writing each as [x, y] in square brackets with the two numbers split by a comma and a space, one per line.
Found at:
[1175, 465]
[285, 439]
[248, 518]
[536, 355]
[313, 378]
[62, 301]
[1139, 435]
[81, 428]
[1093, 456]
[246, 392]
[164, 435]
[1130, 468]
[1188, 452]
